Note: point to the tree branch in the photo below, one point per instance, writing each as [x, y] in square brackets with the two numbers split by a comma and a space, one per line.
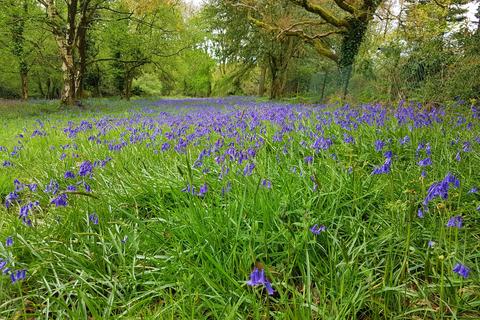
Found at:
[322, 12]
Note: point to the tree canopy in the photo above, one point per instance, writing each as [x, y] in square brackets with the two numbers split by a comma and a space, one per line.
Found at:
[328, 49]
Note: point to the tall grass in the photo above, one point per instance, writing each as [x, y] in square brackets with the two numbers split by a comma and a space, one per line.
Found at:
[159, 251]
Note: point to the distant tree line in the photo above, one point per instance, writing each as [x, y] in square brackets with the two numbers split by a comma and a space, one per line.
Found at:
[333, 49]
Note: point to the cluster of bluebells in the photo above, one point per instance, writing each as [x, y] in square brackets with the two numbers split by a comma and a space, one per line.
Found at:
[5, 270]
[385, 168]
[316, 229]
[440, 189]
[192, 190]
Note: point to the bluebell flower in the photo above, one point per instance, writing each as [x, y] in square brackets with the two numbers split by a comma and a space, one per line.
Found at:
[9, 242]
[7, 163]
[348, 139]
[428, 149]
[18, 275]
[379, 144]
[124, 240]
[308, 159]
[425, 162]
[385, 168]
[248, 169]
[203, 190]
[71, 188]
[405, 140]
[52, 187]
[18, 185]
[461, 270]
[87, 187]
[69, 175]
[86, 168]
[431, 244]
[440, 189]
[424, 174]
[457, 157]
[473, 190]
[257, 277]
[189, 189]
[3, 264]
[227, 188]
[60, 201]
[420, 213]
[11, 198]
[316, 229]
[93, 218]
[455, 221]
[267, 183]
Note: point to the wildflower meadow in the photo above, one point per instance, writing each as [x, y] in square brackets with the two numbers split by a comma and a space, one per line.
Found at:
[234, 208]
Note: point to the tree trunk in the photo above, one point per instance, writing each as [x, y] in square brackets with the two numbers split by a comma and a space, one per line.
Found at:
[24, 79]
[261, 83]
[352, 40]
[69, 77]
[127, 93]
[82, 50]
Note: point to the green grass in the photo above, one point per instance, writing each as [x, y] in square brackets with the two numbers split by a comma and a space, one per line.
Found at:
[189, 257]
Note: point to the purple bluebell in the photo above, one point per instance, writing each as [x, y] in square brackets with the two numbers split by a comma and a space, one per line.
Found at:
[473, 190]
[385, 168]
[71, 188]
[405, 140]
[86, 168]
[458, 157]
[52, 187]
[248, 169]
[428, 149]
[3, 265]
[431, 244]
[189, 189]
[455, 221]
[18, 186]
[379, 144]
[440, 189]
[267, 183]
[308, 159]
[348, 139]
[257, 277]
[18, 275]
[7, 163]
[203, 190]
[9, 242]
[461, 270]
[87, 187]
[420, 213]
[227, 188]
[69, 175]
[165, 146]
[425, 162]
[11, 198]
[124, 240]
[60, 201]
[316, 229]
[93, 218]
